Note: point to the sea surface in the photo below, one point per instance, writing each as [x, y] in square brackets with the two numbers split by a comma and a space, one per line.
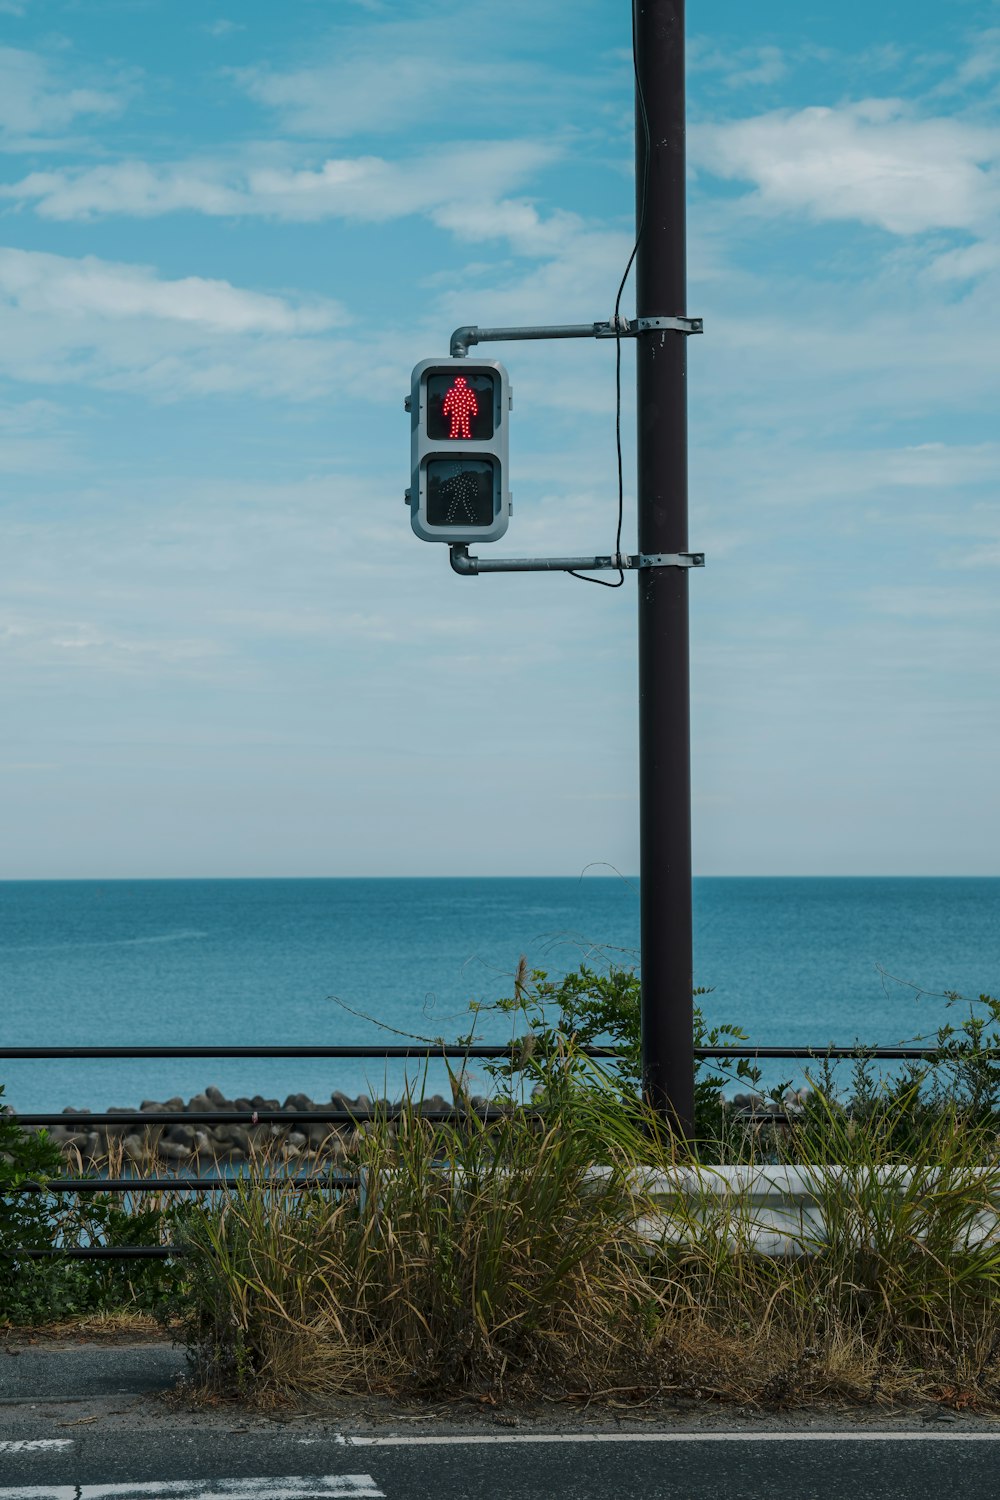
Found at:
[806, 961]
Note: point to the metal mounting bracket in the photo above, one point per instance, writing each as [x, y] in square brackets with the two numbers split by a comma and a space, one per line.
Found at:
[670, 325]
[463, 562]
[668, 560]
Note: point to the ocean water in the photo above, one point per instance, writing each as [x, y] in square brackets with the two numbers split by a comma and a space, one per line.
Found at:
[806, 961]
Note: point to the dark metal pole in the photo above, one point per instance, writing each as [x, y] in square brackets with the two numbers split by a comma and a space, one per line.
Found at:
[664, 682]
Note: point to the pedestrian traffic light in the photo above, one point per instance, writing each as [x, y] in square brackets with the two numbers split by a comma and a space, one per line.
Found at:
[458, 424]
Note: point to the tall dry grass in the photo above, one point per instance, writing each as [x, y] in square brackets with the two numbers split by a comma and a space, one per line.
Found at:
[492, 1260]
[475, 1258]
[891, 1290]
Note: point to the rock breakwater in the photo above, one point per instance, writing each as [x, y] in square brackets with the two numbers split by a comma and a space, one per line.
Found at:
[191, 1138]
[212, 1128]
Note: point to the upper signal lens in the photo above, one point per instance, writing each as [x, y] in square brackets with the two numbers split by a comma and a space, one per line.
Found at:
[461, 408]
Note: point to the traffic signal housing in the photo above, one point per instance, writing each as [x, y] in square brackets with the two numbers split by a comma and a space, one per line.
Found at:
[459, 410]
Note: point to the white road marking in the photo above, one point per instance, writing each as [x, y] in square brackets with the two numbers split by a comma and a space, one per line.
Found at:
[291, 1487]
[457, 1439]
[34, 1445]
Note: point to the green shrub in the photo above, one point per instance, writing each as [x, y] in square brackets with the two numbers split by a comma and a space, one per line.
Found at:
[591, 1008]
[25, 1222]
[52, 1288]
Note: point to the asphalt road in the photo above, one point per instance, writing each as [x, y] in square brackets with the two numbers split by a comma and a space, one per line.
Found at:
[85, 1424]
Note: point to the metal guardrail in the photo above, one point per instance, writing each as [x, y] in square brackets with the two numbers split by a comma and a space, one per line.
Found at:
[257, 1116]
[186, 1184]
[444, 1049]
[125, 1185]
[703, 1054]
[192, 1183]
[913, 1054]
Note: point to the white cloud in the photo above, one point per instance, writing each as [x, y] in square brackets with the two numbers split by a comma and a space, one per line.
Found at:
[339, 100]
[984, 61]
[35, 100]
[575, 280]
[457, 62]
[133, 188]
[32, 439]
[933, 602]
[943, 466]
[200, 576]
[813, 372]
[94, 648]
[739, 67]
[930, 500]
[874, 161]
[27, 416]
[122, 327]
[768, 67]
[366, 188]
[966, 263]
[223, 27]
[53, 284]
[376, 190]
[515, 220]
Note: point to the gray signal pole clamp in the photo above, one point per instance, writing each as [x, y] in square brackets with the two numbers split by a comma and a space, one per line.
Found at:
[459, 412]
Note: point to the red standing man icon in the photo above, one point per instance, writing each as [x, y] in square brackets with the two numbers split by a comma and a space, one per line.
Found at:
[460, 404]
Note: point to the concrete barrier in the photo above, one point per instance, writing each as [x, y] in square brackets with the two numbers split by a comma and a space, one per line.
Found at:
[789, 1211]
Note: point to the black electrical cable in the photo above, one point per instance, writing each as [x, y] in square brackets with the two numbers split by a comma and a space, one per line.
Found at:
[584, 577]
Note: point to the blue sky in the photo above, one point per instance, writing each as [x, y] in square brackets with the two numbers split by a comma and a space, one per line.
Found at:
[228, 231]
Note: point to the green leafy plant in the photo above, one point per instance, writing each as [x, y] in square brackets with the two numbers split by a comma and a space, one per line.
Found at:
[45, 1288]
[589, 1008]
[967, 1059]
[25, 1158]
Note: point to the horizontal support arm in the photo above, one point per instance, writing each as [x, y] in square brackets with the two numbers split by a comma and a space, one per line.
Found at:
[467, 565]
[463, 338]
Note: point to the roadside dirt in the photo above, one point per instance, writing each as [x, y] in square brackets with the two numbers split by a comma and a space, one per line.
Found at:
[87, 1368]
